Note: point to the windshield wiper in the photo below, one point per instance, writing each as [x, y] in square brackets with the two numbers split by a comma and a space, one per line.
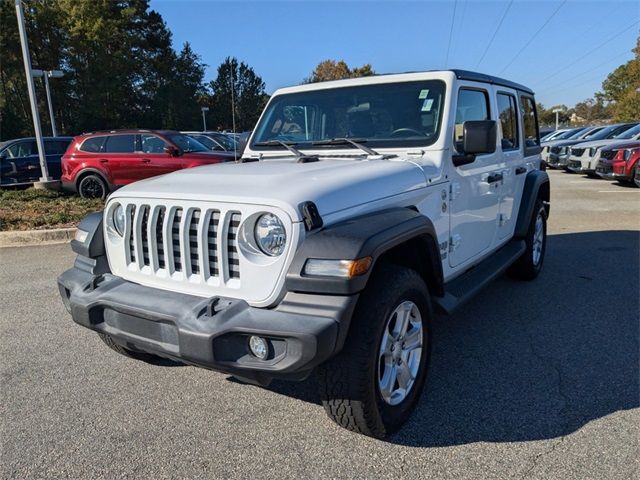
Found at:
[301, 157]
[343, 141]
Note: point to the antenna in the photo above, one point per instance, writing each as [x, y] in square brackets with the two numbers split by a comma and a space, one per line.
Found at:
[233, 113]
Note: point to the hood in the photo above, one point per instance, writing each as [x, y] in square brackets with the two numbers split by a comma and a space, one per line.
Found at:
[622, 144]
[600, 143]
[333, 184]
[566, 143]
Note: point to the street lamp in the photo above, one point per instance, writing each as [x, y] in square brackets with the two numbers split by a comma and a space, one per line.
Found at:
[204, 118]
[557, 112]
[26, 57]
[47, 74]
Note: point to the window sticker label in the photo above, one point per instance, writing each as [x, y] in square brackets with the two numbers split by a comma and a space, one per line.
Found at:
[426, 106]
[423, 93]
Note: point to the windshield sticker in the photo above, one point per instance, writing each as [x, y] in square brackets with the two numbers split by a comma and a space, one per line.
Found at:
[426, 106]
[423, 93]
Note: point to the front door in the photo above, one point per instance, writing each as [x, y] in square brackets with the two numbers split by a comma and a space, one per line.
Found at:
[20, 163]
[158, 162]
[474, 198]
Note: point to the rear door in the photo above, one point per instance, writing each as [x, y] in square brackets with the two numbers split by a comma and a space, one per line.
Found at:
[54, 149]
[125, 164]
[20, 163]
[514, 166]
[156, 160]
[475, 195]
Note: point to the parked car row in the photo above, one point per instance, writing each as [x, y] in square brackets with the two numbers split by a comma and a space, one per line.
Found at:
[94, 164]
[609, 152]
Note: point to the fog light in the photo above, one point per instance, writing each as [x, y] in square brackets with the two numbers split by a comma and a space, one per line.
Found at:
[258, 347]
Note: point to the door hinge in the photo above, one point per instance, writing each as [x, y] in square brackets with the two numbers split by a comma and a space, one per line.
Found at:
[454, 242]
[454, 190]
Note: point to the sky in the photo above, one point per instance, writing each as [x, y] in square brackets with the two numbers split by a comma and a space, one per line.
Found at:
[562, 49]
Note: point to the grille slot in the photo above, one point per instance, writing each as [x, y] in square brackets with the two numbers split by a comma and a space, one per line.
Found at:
[194, 221]
[132, 218]
[175, 239]
[212, 243]
[144, 234]
[608, 154]
[577, 151]
[232, 246]
[159, 237]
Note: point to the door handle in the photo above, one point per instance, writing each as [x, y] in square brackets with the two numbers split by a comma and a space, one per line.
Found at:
[494, 177]
[146, 160]
[521, 170]
[104, 160]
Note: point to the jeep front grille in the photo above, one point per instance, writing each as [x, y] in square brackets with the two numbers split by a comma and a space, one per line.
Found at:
[168, 240]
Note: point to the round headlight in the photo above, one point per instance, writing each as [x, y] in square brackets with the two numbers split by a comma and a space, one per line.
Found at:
[118, 219]
[270, 234]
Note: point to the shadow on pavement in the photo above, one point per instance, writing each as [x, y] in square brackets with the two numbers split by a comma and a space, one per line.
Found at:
[529, 361]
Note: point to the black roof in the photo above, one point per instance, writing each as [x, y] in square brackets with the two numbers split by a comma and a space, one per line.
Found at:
[481, 77]
[6, 142]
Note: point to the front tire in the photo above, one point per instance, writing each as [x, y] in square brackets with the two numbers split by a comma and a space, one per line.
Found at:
[374, 383]
[529, 265]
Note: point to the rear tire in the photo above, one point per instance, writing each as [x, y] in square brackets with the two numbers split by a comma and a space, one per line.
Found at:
[358, 386]
[529, 265]
[92, 186]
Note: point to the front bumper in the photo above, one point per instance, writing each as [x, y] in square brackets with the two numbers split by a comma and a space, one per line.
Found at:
[302, 331]
[575, 165]
[557, 160]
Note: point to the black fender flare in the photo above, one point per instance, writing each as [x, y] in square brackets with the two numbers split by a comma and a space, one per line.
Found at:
[370, 235]
[536, 186]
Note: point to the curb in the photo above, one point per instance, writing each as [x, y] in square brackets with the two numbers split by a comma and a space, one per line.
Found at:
[23, 238]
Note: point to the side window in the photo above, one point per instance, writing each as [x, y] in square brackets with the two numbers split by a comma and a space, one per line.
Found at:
[22, 149]
[472, 105]
[530, 122]
[508, 121]
[120, 144]
[152, 144]
[55, 147]
[92, 145]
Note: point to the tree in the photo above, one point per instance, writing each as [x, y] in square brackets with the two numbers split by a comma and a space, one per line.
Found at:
[622, 88]
[547, 117]
[337, 70]
[120, 68]
[239, 82]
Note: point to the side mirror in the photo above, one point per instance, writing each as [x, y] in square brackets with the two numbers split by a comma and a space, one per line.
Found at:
[172, 151]
[479, 137]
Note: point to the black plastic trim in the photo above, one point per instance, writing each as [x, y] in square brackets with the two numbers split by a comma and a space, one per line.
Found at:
[534, 181]
[481, 77]
[93, 246]
[369, 235]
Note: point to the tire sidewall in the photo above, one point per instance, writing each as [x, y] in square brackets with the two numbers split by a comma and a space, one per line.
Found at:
[539, 212]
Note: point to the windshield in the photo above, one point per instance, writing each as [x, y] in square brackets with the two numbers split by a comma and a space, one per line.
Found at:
[227, 141]
[187, 144]
[629, 134]
[386, 115]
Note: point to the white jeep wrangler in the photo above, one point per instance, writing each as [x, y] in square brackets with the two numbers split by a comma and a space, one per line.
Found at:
[358, 208]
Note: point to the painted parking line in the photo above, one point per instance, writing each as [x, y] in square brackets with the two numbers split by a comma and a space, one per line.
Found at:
[616, 191]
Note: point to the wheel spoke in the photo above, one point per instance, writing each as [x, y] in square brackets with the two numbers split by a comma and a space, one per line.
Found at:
[412, 340]
[388, 381]
[404, 376]
[385, 346]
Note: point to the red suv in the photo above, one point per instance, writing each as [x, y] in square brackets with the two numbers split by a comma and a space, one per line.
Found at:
[97, 163]
[620, 162]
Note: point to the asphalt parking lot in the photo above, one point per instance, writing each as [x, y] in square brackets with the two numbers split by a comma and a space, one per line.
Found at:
[529, 380]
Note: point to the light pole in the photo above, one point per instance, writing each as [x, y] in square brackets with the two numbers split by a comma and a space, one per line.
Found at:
[47, 74]
[32, 95]
[204, 118]
[557, 112]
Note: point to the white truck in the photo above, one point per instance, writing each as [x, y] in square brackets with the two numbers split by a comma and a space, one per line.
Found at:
[359, 208]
